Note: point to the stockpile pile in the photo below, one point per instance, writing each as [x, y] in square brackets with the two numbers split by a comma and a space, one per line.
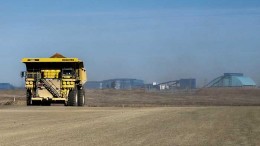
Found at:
[57, 55]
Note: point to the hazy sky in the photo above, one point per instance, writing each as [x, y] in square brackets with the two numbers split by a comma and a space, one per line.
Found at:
[153, 40]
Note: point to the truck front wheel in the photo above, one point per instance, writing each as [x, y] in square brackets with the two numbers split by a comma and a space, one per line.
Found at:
[81, 97]
[73, 98]
[29, 97]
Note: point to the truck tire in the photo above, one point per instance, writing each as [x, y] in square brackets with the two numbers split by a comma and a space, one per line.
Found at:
[73, 98]
[29, 97]
[81, 97]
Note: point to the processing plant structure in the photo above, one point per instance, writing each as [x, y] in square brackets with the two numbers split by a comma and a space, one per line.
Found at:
[232, 80]
[54, 80]
[178, 84]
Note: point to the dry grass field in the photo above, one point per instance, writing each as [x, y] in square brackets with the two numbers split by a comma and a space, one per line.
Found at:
[216, 117]
[141, 98]
[202, 97]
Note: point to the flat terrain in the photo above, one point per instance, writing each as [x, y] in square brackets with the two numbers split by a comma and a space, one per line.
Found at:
[200, 97]
[141, 98]
[215, 117]
[197, 126]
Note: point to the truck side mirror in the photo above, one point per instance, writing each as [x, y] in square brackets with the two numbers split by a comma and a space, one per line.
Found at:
[22, 74]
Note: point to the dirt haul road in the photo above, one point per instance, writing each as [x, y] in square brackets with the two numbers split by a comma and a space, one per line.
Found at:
[58, 125]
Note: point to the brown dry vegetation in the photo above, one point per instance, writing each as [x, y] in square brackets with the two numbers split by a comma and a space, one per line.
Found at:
[12, 97]
[201, 97]
[141, 98]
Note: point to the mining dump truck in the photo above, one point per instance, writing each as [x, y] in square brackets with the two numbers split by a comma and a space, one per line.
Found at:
[54, 80]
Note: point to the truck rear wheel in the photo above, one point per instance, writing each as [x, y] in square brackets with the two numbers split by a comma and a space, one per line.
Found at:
[73, 98]
[29, 97]
[81, 97]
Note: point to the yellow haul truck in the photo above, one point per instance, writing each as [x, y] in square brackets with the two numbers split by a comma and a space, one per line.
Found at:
[54, 80]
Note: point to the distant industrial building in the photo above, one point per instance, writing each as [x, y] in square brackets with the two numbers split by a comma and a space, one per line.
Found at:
[178, 84]
[232, 80]
[116, 84]
[93, 85]
[6, 86]
[172, 85]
